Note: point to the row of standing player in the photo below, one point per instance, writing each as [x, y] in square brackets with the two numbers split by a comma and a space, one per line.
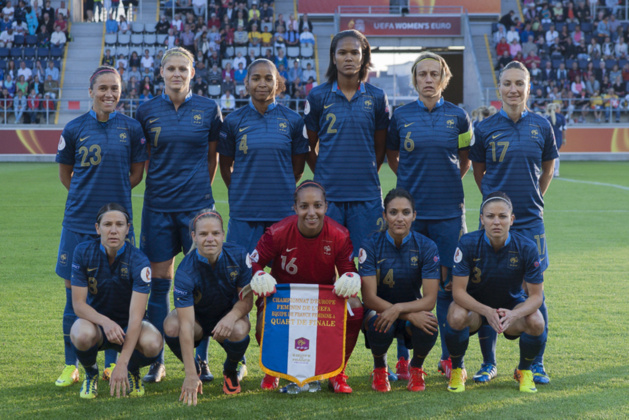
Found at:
[182, 127]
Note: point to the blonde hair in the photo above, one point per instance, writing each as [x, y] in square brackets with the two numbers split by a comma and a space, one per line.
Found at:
[552, 110]
[178, 51]
[446, 74]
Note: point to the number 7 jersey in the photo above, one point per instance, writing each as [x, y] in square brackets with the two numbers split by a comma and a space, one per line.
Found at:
[513, 154]
[297, 259]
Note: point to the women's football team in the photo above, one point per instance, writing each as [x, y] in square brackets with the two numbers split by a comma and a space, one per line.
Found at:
[413, 250]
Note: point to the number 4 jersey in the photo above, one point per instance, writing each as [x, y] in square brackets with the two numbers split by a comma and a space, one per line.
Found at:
[297, 259]
[101, 154]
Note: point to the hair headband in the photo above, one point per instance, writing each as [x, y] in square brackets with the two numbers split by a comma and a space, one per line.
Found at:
[496, 198]
[310, 184]
[173, 51]
[106, 70]
[194, 222]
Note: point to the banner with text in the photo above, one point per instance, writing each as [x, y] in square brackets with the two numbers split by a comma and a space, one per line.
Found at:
[414, 6]
[30, 142]
[404, 26]
[303, 333]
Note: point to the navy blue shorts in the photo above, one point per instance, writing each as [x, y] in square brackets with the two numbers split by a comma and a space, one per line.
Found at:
[246, 234]
[165, 234]
[361, 218]
[538, 235]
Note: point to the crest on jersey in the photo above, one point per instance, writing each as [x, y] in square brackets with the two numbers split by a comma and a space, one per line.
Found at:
[63, 258]
[534, 132]
[450, 123]
[282, 126]
[62, 143]
[327, 250]
[124, 273]
[414, 260]
[362, 255]
[368, 104]
[458, 255]
[123, 137]
[514, 261]
[233, 275]
[145, 275]
[197, 117]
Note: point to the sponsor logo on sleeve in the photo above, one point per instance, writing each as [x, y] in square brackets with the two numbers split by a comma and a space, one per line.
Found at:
[458, 255]
[146, 274]
[307, 108]
[362, 255]
[62, 143]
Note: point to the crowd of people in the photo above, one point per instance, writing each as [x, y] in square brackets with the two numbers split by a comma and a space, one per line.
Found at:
[233, 36]
[29, 85]
[576, 53]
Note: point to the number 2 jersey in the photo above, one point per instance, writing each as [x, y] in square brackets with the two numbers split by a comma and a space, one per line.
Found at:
[109, 287]
[513, 154]
[297, 259]
[101, 154]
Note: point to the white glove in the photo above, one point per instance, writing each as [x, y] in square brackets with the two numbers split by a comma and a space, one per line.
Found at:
[348, 285]
[263, 284]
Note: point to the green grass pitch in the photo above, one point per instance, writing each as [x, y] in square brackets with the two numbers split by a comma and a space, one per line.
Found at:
[587, 288]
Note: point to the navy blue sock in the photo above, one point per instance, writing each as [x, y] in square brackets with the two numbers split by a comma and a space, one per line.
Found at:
[487, 338]
[402, 351]
[379, 341]
[202, 349]
[544, 310]
[174, 346]
[88, 359]
[457, 341]
[444, 299]
[159, 306]
[111, 357]
[68, 320]
[422, 344]
[138, 360]
[235, 350]
[530, 346]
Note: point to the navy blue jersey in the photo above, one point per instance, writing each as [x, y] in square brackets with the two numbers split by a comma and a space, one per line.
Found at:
[495, 277]
[429, 144]
[513, 154]
[178, 177]
[346, 165]
[399, 271]
[101, 154]
[109, 287]
[558, 128]
[263, 181]
[213, 291]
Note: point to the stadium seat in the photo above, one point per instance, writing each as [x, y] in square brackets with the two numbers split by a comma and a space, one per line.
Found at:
[586, 27]
[583, 64]
[556, 62]
[110, 39]
[546, 26]
[229, 51]
[239, 88]
[4, 53]
[19, 40]
[559, 26]
[16, 52]
[621, 63]
[149, 28]
[304, 63]
[151, 49]
[610, 63]
[224, 61]
[29, 63]
[161, 38]
[214, 90]
[124, 39]
[267, 27]
[569, 62]
[293, 52]
[160, 48]
[43, 53]
[307, 50]
[137, 27]
[30, 52]
[242, 50]
[571, 27]
[150, 39]
[56, 52]
[30, 39]
[256, 50]
[137, 39]
[122, 49]
[494, 27]
[3, 64]
[137, 48]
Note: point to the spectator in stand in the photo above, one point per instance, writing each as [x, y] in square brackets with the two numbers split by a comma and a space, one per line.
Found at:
[529, 46]
[570, 14]
[162, 26]
[147, 73]
[228, 71]
[228, 102]
[501, 47]
[214, 59]
[134, 60]
[536, 73]
[199, 7]
[607, 49]
[177, 23]
[512, 34]
[32, 107]
[122, 59]
[24, 71]
[267, 38]
[48, 107]
[304, 22]
[309, 72]
[21, 84]
[532, 58]
[507, 19]
[9, 84]
[8, 10]
[592, 85]
[6, 102]
[306, 37]
[558, 12]
[214, 75]
[228, 84]
[266, 14]
[7, 37]
[187, 38]
[43, 37]
[551, 35]
[581, 50]
[108, 59]
[545, 14]
[255, 36]
[578, 35]
[602, 29]
[619, 86]
[255, 13]
[282, 72]
[58, 39]
[594, 50]
[19, 106]
[280, 21]
[214, 20]
[280, 38]
[601, 71]
[239, 59]
[62, 23]
[240, 74]
[568, 49]
[241, 37]
[620, 49]
[561, 75]
[201, 69]
[51, 87]
[268, 54]
[251, 57]
[515, 48]
[596, 105]
[280, 59]
[227, 37]
[111, 26]
[240, 20]
[47, 21]
[503, 60]
[31, 20]
[147, 61]
[547, 72]
[295, 72]
[574, 71]
[62, 9]
[133, 73]
[199, 84]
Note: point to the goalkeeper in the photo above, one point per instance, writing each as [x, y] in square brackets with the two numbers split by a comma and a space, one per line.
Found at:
[309, 247]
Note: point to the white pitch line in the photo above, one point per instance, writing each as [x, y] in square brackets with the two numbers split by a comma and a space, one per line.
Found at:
[602, 184]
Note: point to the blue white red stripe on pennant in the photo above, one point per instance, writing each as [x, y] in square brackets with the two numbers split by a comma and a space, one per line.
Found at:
[303, 333]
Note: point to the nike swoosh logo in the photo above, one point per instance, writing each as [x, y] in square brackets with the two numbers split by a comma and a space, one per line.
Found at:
[84, 138]
[476, 259]
[153, 120]
[290, 249]
[240, 130]
[384, 259]
[408, 125]
[327, 106]
[496, 135]
[91, 269]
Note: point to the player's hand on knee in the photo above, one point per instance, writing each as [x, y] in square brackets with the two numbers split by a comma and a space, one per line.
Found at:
[189, 390]
[348, 285]
[113, 332]
[425, 321]
[263, 284]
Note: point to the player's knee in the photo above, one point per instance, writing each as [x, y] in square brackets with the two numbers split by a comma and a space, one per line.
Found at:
[171, 324]
[535, 324]
[241, 330]
[457, 316]
[83, 334]
[152, 344]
